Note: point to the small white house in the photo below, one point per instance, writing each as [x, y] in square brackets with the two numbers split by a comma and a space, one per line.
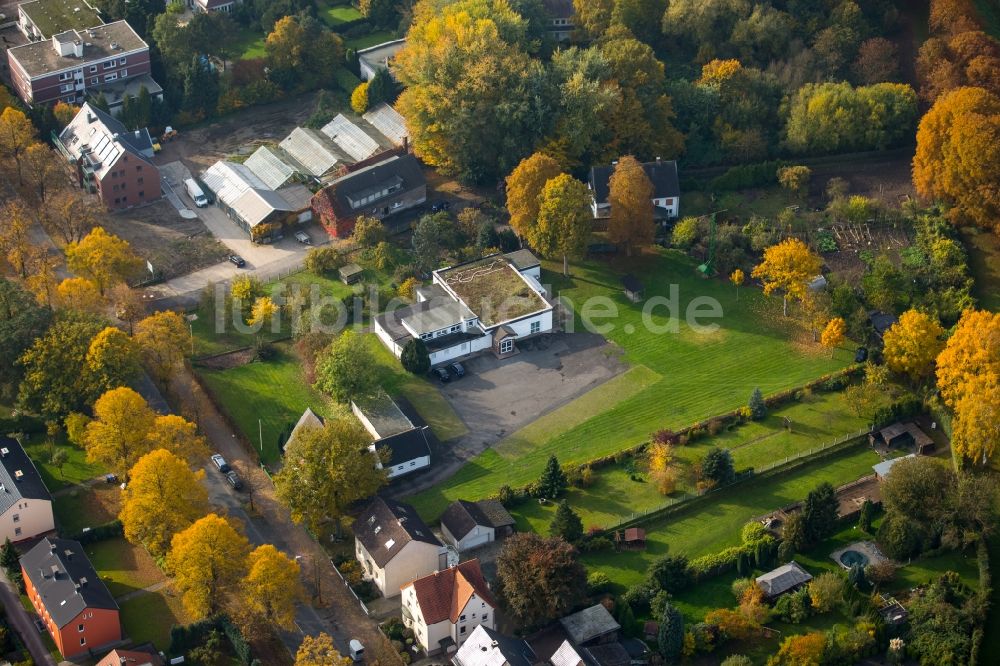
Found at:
[666, 199]
[25, 502]
[481, 305]
[394, 546]
[467, 525]
[444, 608]
[406, 445]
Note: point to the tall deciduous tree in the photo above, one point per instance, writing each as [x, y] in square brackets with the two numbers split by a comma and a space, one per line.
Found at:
[973, 350]
[70, 213]
[162, 498]
[958, 155]
[524, 189]
[326, 470]
[16, 135]
[22, 321]
[164, 339]
[14, 239]
[539, 579]
[415, 358]
[319, 651]
[117, 437]
[834, 333]
[80, 294]
[180, 437]
[207, 560]
[912, 344]
[630, 194]
[56, 377]
[272, 586]
[346, 369]
[976, 428]
[788, 266]
[104, 258]
[112, 359]
[564, 219]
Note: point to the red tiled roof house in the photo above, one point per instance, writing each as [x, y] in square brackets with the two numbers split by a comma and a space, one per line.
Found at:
[445, 607]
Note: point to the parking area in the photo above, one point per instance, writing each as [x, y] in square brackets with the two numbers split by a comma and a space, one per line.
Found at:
[549, 371]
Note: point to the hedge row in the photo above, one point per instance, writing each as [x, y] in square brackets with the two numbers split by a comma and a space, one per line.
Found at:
[748, 175]
[760, 552]
[109, 530]
[184, 638]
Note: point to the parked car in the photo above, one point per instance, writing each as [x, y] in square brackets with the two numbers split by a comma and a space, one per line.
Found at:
[861, 355]
[221, 463]
[442, 375]
[234, 480]
[238, 260]
[303, 238]
[357, 650]
[438, 206]
[457, 369]
[110, 478]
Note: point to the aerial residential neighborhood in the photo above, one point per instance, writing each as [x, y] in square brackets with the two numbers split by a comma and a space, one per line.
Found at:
[488, 333]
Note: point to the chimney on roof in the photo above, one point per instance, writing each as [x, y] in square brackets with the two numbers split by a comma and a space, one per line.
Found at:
[4, 451]
[658, 160]
[83, 581]
[52, 547]
[137, 133]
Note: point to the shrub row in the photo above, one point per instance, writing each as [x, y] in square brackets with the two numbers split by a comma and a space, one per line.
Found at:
[760, 552]
[109, 530]
[748, 175]
[22, 423]
[184, 638]
[900, 409]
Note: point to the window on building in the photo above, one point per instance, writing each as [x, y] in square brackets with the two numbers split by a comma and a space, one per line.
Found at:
[111, 77]
[506, 345]
[109, 64]
[17, 517]
[486, 616]
[83, 640]
[17, 531]
[140, 180]
[138, 167]
[142, 193]
[66, 87]
[461, 630]
[94, 80]
[536, 326]
[65, 76]
[124, 73]
[79, 627]
[456, 329]
[461, 618]
[121, 61]
[413, 463]
[117, 200]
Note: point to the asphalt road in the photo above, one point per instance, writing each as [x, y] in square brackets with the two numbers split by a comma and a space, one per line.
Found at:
[22, 622]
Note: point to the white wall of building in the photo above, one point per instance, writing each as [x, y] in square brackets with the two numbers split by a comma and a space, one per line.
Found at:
[465, 348]
[523, 328]
[26, 519]
[479, 535]
[672, 204]
[414, 560]
[409, 466]
[476, 612]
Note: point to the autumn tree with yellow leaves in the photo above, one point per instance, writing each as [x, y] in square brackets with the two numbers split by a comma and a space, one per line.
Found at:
[79, 294]
[660, 456]
[162, 498]
[103, 258]
[564, 219]
[208, 560]
[180, 437]
[834, 334]
[524, 189]
[958, 155]
[271, 587]
[630, 194]
[737, 277]
[912, 344]
[117, 437]
[16, 135]
[788, 266]
[164, 339]
[112, 358]
[319, 651]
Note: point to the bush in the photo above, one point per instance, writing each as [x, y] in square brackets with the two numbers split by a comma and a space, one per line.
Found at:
[753, 532]
[639, 596]
[670, 573]
[740, 586]
[717, 466]
[748, 175]
[415, 358]
[900, 537]
[596, 543]
[598, 582]
[323, 260]
[795, 607]
[109, 530]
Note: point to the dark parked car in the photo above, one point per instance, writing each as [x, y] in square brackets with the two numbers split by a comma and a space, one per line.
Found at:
[238, 260]
[221, 463]
[234, 480]
[438, 206]
[441, 374]
[861, 355]
[457, 369]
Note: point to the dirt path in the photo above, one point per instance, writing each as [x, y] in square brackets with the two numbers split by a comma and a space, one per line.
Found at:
[339, 615]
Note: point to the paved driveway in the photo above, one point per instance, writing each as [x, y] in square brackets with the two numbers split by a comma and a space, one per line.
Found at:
[496, 397]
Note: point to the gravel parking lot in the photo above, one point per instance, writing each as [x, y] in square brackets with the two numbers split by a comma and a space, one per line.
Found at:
[550, 371]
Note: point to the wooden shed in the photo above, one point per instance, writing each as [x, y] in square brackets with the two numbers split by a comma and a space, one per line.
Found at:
[633, 288]
[350, 273]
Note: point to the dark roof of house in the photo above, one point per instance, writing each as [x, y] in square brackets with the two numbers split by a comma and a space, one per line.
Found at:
[523, 259]
[19, 479]
[398, 168]
[783, 579]
[65, 579]
[609, 654]
[405, 446]
[559, 8]
[588, 624]
[662, 173]
[486, 647]
[462, 516]
[882, 321]
[385, 526]
[631, 284]
[444, 594]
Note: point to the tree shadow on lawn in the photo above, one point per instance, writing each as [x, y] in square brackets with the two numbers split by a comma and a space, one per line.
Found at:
[85, 507]
[123, 567]
[149, 617]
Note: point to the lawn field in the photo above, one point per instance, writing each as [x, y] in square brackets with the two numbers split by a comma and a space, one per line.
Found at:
[148, 617]
[249, 44]
[76, 470]
[984, 261]
[371, 39]
[273, 392]
[714, 525]
[86, 507]
[335, 15]
[688, 376]
[276, 393]
[123, 567]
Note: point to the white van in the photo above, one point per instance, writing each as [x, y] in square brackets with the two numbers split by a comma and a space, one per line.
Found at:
[194, 191]
[357, 650]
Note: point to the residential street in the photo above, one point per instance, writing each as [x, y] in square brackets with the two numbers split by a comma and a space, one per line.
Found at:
[339, 615]
[22, 622]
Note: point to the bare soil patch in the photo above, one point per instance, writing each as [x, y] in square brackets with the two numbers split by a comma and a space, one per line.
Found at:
[228, 360]
[175, 246]
[886, 178]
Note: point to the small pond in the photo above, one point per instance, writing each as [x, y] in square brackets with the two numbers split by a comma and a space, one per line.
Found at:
[851, 557]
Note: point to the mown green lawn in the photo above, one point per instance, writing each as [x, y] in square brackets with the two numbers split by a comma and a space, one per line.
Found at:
[149, 617]
[123, 567]
[715, 524]
[275, 392]
[76, 470]
[371, 39]
[984, 261]
[249, 44]
[688, 375]
[335, 15]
